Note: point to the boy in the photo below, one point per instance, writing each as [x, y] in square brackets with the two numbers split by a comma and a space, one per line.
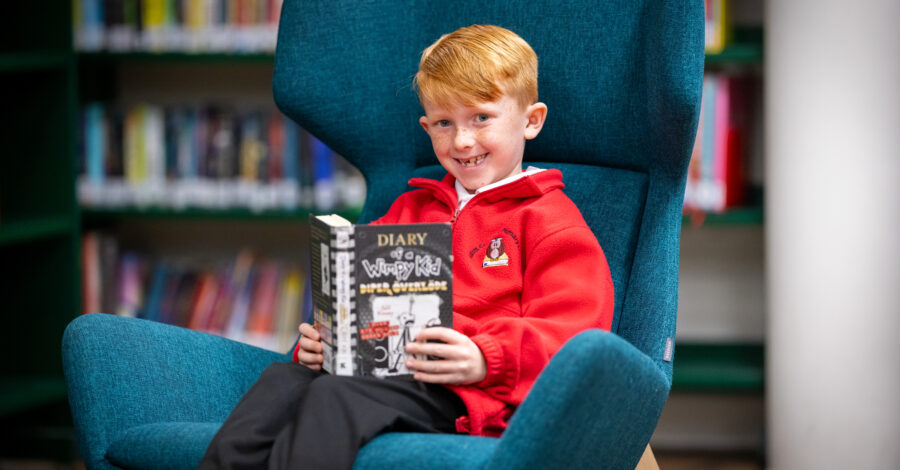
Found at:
[528, 275]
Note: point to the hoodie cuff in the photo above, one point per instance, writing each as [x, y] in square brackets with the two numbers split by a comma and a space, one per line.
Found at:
[499, 372]
[296, 355]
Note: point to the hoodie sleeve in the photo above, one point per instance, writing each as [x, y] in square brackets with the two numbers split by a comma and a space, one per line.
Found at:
[568, 289]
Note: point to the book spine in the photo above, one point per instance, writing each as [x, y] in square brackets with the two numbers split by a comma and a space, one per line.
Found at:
[321, 291]
[720, 144]
[344, 301]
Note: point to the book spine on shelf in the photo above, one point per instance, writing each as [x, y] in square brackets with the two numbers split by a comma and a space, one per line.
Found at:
[716, 173]
[215, 26]
[718, 25]
[207, 157]
[91, 273]
[720, 160]
[288, 316]
[248, 299]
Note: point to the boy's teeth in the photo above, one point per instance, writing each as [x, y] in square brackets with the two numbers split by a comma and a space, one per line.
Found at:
[472, 161]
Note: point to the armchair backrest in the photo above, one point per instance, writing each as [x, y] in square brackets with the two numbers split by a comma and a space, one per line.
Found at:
[622, 80]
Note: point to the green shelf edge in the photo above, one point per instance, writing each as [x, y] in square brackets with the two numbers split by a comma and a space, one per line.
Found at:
[739, 53]
[22, 393]
[736, 216]
[27, 230]
[719, 368]
[30, 61]
[177, 57]
[99, 215]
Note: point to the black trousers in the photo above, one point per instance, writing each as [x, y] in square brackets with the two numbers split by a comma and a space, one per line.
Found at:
[297, 418]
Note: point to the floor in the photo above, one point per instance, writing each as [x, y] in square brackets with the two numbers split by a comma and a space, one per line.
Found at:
[707, 461]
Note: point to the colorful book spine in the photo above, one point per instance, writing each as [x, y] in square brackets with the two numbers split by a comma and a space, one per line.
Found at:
[207, 157]
[252, 299]
[718, 25]
[216, 26]
[716, 176]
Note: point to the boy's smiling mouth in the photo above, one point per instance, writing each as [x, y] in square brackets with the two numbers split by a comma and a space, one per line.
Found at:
[474, 161]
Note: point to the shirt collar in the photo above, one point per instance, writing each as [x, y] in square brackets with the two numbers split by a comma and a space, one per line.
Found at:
[464, 197]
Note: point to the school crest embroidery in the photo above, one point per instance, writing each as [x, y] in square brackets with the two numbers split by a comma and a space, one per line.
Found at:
[496, 254]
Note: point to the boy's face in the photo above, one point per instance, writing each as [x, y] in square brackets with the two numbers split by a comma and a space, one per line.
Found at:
[482, 143]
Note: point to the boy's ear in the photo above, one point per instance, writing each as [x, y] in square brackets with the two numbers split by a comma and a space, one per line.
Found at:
[424, 122]
[536, 114]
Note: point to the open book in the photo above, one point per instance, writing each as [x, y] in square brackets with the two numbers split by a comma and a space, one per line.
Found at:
[374, 287]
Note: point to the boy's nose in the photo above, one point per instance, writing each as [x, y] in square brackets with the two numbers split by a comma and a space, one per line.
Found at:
[463, 139]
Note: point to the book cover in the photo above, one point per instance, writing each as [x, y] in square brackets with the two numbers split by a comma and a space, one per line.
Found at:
[374, 287]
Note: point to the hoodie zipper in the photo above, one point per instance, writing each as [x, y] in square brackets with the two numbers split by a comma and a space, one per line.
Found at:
[455, 216]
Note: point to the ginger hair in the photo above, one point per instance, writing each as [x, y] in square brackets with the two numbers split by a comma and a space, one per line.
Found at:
[478, 63]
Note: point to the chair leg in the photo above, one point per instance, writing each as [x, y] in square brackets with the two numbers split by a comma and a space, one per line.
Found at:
[648, 461]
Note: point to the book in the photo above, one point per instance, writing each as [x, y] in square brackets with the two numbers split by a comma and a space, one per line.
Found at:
[717, 177]
[230, 26]
[718, 25]
[374, 287]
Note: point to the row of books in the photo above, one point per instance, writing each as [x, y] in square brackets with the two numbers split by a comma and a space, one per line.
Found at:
[248, 298]
[208, 157]
[718, 169]
[718, 25]
[232, 26]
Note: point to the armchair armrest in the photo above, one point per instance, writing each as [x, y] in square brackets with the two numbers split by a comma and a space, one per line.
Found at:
[595, 405]
[124, 372]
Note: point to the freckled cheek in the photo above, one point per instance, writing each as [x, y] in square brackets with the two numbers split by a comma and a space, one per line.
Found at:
[441, 144]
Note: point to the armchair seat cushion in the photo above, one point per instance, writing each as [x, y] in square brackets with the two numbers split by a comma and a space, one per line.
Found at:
[162, 445]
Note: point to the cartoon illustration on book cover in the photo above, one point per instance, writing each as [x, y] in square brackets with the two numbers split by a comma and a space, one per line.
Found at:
[404, 280]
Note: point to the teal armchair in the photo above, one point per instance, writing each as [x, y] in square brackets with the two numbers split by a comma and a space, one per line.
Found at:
[622, 81]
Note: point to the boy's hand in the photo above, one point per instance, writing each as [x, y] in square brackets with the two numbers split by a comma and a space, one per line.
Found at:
[459, 359]
[310, 354]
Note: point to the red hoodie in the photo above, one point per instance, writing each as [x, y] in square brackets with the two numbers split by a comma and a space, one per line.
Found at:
[528, 274]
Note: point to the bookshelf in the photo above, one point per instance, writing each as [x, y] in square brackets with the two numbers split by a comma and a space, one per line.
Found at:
[176, 57]
[212, 82]
[39, 218]
[99, 215]
[714, 365]
[745, 49]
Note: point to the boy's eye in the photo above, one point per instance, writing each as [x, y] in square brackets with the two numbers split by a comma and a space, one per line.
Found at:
[443, 123]
[482, 117]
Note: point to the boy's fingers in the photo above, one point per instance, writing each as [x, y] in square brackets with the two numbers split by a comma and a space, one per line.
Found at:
[310, 359]
[309, 331]
[308, 344]
[434, 367]
[444, 351]
[439, 333]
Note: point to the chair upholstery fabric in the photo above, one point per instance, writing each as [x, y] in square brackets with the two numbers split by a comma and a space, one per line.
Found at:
[622, 80]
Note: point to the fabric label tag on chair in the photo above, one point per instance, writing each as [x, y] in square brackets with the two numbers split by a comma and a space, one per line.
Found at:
[670, 350]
